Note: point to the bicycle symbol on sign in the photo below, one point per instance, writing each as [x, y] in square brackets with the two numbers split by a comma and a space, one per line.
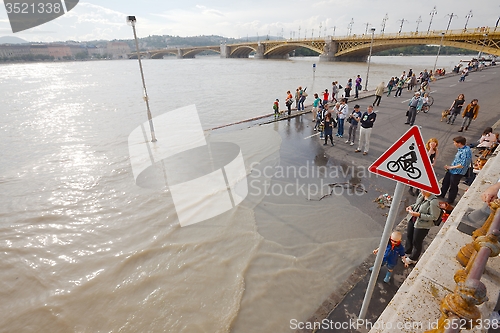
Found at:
[406, 162]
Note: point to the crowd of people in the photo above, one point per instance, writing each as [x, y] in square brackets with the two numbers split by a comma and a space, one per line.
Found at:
[331, 110]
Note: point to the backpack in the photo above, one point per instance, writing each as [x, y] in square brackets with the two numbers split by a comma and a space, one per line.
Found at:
[437, 222]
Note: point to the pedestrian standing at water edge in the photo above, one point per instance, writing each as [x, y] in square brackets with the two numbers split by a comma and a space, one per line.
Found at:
[390, 85]
[315, 109]
[276, 108]
[367, 120]
[421, 216]
[348, 88]
[465, 72]
[393, 250]
[414, 105]
[321, 126]
[359, 87]
[455, 108]
[456, 170]
[326, 96]
[303, 95]
[328, 128]
[342, 113]
[335, 91]
[289, 101]
[469, 114]
[378, 93]
[399, 89]
[353, 120]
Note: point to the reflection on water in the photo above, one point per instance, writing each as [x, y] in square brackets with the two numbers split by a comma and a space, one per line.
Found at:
[83, 248]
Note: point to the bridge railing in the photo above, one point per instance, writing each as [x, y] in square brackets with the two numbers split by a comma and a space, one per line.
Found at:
[480, 31]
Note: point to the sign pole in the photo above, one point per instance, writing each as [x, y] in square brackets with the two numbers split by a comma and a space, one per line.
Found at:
[391, 217]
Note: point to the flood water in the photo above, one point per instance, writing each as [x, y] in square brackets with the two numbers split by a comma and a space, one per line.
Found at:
[84, 248]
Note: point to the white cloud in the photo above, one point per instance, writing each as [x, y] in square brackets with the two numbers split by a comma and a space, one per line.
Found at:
[234, 19]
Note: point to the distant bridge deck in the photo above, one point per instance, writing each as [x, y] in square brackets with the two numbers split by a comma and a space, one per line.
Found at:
[345, 48]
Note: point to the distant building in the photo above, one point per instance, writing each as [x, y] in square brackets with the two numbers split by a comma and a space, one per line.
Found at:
[39, 49]
[59, 51]
[14, 50]
[118, 50]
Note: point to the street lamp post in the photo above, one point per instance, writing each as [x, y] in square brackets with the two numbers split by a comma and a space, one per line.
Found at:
[131, 21]
[439, 50]
[418, 22]
[468, 16]
[384, 20]
[369, 59]
[434, 12]
[401, 27]
[366, 30]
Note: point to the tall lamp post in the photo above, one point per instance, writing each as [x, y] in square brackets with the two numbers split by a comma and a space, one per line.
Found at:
[369, 59]
[384, 20]
[468, 16]
[439, 50]
[401, 27]
[418, 22]
[131, 21]
[434, 12]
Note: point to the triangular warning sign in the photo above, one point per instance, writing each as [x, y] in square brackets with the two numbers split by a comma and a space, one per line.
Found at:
[406, 161]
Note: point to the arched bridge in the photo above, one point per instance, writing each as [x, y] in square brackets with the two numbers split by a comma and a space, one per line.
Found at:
[347, 48]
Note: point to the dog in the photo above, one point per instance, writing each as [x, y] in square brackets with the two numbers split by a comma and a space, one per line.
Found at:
[445, 114]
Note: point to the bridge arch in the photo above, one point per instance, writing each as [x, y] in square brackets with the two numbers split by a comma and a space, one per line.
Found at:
[159, 55]
[242, 51]
[191, 53]
[284, 49]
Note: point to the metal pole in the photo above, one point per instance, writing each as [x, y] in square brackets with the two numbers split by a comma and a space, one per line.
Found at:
[467, 21]
[449, 22]
[369, 60]
[434, 11]
[384, 20]
[418, 22]
[146, 99]
[391, 217]
[439, 50]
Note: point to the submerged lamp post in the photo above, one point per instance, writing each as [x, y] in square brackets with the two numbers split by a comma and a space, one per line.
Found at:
[369, 59]
[131, 21]
[439, 50]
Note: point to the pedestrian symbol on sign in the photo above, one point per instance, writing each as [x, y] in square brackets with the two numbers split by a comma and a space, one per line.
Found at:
[407, 163]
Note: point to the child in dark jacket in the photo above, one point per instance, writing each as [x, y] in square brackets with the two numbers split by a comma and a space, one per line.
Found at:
[393, 250]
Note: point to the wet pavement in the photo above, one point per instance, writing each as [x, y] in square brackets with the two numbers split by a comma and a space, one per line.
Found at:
[301, 144]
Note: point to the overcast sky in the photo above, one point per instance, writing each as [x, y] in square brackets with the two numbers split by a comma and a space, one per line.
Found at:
[105, 19]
